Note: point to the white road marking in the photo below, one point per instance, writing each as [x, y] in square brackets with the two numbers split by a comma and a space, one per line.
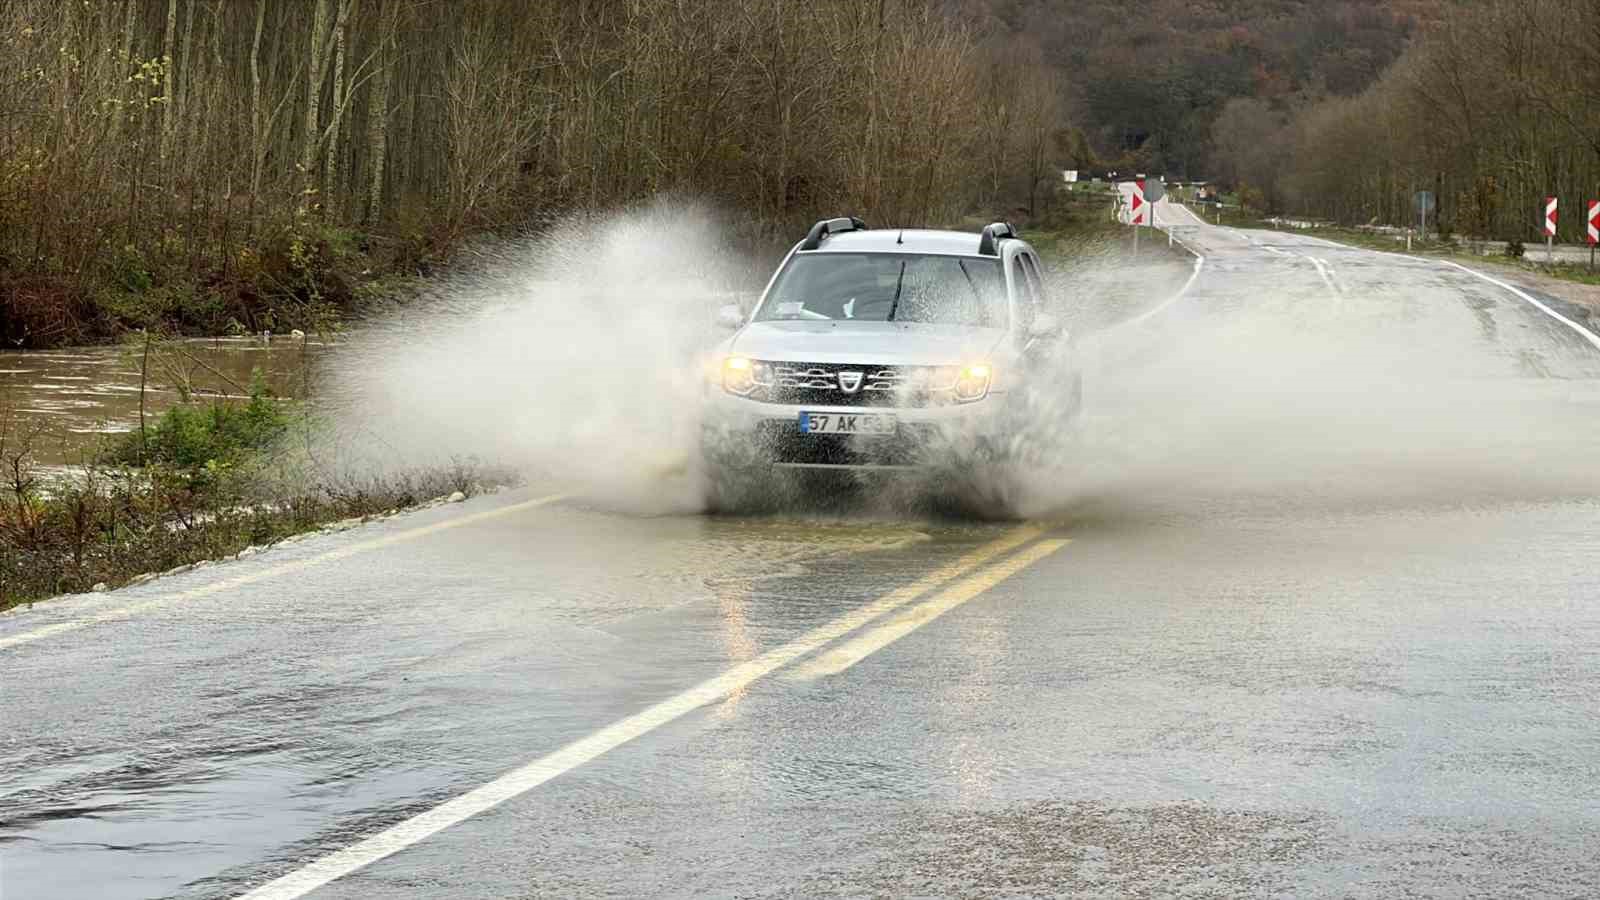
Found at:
[1585, 333]
[1338, 283]
[847, 654]
[452, 812]
[1199, 264]
[1588, 335]
[228, 584]
[1334, 244]
[1324, 270]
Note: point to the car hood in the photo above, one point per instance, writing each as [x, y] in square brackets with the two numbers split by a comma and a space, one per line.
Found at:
[883, 343]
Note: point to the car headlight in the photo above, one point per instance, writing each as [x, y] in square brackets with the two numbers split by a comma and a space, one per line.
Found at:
[743, 376]
[972, 382]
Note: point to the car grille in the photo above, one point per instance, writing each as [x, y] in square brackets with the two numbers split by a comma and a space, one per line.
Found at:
[821, 383]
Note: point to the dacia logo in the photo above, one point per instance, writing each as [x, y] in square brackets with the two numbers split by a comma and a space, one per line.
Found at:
[850, 382]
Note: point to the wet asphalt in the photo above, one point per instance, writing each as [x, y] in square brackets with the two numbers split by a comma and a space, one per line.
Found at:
[1218, 687]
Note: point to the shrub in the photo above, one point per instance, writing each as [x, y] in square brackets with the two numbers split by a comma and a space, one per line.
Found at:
[201, 442]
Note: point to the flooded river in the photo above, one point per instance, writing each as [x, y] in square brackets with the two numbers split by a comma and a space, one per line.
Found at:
[66, 401]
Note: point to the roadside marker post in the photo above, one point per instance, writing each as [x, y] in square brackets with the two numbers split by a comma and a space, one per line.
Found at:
[1137, 207]
[1550, 204]
[1594, 228]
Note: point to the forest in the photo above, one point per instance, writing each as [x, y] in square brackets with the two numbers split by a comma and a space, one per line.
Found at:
[239, 165]
[213, 165]
[1148, 79]
[1342, 109]
[1492, 109]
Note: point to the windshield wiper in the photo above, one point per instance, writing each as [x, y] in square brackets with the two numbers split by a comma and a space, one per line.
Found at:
[970, 283]
[895, 303]
[976, 294]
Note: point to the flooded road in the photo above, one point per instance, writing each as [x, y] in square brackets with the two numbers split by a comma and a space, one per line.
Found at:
[67, 400]
[1294, 625]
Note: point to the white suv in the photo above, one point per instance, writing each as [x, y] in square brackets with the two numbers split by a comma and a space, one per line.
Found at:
[883, 348]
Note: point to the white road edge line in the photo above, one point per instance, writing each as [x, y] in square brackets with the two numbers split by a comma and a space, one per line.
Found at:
[217, 587]
[411, 831]
[1588, 335]
[1199, 264]
[1585, 333]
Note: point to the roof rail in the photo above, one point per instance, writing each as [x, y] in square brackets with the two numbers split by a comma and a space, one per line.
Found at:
[989, 242]
[830, 226]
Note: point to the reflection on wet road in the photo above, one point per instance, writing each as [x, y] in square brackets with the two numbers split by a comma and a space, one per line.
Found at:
[1308, 638]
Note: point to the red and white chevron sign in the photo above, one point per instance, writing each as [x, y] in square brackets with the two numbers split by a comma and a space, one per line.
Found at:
[1594, 221]
[1550, 216]
[1138, 206]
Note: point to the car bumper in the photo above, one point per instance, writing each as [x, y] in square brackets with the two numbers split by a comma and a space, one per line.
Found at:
[737, 431]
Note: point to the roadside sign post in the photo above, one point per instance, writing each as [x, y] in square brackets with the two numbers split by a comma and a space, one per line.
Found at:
[1137, 208]
[1594, 229]
[1151, 191]
[1550, 204]
[1425, 203]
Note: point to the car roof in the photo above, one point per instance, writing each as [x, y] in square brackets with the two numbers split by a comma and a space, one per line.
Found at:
[897, 240]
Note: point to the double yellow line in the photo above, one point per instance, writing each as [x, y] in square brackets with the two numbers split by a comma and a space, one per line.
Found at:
[420, 827]
[842, 643]
[842, 656]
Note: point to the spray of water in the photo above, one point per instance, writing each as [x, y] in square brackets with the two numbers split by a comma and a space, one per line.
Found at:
[1272, 394]
[572, 357]
[577, 358]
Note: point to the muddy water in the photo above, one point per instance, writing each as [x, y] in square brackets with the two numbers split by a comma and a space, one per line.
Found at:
[65, 402]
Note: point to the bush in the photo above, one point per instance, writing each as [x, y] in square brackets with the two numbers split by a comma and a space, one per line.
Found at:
[1514, 248]
[200, 443]
[210, 489]
[40, 311]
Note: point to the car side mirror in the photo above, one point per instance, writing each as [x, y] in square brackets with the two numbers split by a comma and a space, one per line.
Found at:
[730, 317]
[1044, 327]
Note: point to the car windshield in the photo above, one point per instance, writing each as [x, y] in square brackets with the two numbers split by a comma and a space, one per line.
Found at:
[889, 287]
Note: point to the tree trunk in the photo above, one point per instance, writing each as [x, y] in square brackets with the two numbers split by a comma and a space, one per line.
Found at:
[168, 121]
[330, 153]
[314, 75]
[185, 74]
[258, 141]
[125, 61]
[378, 131]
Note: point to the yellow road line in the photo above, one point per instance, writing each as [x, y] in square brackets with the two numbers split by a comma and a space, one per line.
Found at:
[228, 584]
[452, 812]
[847, 654]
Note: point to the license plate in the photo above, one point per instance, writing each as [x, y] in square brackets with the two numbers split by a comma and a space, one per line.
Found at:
[846, 423]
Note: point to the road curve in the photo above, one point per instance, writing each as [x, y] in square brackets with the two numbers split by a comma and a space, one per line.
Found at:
[1312, 608]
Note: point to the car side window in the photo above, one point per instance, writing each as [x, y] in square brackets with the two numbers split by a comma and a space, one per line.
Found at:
[1026, 277]
[1030, 265]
